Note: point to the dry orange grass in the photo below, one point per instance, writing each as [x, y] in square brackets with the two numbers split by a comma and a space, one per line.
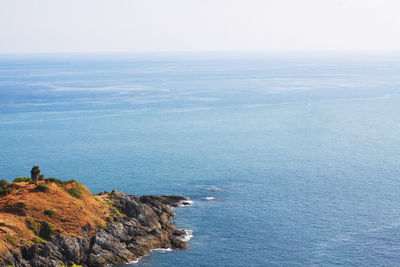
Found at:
[71, 214]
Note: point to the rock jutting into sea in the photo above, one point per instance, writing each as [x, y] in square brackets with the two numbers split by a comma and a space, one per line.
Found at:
[56, 223]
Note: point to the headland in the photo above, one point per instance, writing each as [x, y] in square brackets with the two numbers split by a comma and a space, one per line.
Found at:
[49, 222]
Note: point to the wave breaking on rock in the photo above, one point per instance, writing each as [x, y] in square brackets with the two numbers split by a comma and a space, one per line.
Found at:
[136, 226]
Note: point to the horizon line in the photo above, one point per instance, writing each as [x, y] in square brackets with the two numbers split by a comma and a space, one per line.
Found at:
[201, 51]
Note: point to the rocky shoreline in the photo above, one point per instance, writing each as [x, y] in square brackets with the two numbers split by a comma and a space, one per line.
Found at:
[140, 224]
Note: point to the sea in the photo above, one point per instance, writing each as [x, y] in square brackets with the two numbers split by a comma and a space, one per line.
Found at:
[290, 158]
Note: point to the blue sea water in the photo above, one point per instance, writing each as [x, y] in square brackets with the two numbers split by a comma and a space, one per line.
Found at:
[301, 151]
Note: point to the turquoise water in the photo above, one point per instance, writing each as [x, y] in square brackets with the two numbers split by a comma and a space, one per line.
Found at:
[301, 151]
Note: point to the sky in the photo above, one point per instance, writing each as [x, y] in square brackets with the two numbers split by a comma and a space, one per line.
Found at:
[52, 26]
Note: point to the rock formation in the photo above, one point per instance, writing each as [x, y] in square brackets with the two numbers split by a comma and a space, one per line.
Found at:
[35, 173]
[132, 227]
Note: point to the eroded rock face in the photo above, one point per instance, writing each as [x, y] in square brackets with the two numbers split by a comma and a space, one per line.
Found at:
[144, 225]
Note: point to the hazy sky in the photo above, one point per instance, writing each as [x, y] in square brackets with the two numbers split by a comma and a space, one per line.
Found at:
[147, 25]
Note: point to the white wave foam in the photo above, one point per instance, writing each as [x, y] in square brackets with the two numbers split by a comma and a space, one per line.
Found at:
[162, 250]
[186, 202]
[187, 236]
[209, 198]
[134, 262]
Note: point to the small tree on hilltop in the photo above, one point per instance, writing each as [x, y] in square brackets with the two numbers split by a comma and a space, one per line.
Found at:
[35, 173]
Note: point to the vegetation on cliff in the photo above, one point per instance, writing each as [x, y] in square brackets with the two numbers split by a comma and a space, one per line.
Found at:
[29, 211]
[49, 222]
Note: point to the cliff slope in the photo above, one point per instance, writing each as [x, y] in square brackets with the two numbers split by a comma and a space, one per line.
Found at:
[56, 223]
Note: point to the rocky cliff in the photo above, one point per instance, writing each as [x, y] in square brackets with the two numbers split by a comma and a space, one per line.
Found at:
[54, 225]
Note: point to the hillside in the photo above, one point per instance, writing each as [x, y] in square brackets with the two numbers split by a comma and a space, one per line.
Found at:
[67, 207]
[53, 223]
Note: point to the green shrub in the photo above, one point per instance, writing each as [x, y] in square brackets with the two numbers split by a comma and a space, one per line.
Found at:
[32, 225]
[50, 213]
[117, 211]
[37, 239]
[22, 232]
[42, 188]
[56, 181]
[12, 239]
[61, 183]
[75, 192]
[102, 226]
[5, 191]
[6, 188]
[22, 179]
[46, 230]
